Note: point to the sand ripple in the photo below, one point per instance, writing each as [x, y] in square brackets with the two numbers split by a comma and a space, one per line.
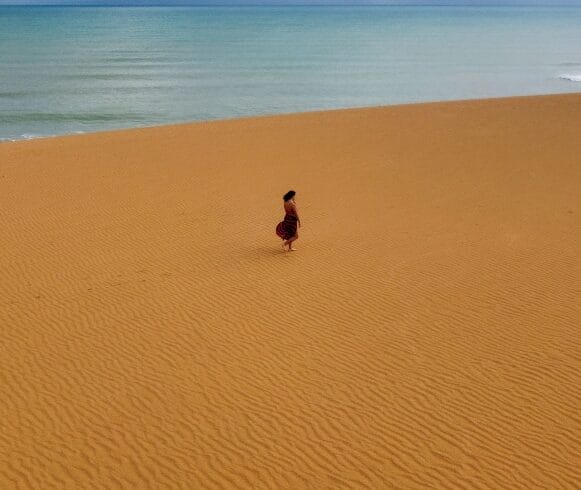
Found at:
[424, 336]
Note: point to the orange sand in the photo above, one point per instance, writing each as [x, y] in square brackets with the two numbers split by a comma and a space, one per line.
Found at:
[426, 333]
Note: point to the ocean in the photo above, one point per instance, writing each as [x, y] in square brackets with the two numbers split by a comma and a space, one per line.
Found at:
[68, 70]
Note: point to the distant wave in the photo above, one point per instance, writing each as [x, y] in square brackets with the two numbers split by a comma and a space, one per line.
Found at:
[25, 136]
[571, 78]
[85, 117]
[12, 94]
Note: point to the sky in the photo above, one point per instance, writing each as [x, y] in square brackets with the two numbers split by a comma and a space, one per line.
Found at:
[293, 2]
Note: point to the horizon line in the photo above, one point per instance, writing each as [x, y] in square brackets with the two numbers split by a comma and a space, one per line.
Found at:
[290, 5]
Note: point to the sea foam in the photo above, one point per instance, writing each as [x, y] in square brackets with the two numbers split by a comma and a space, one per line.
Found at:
[571, 78]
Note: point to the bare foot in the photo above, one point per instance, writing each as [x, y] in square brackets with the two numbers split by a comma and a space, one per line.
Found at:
[292, 249]
[283, 246]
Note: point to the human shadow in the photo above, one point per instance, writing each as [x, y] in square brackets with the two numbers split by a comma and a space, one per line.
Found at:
[259, 252]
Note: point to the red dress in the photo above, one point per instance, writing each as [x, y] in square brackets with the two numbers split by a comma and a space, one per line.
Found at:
[287, 228]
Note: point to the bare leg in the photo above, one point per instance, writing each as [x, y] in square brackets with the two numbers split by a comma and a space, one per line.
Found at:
[290, 241]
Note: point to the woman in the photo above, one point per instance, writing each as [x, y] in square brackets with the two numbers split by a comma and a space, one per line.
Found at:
[287, 229]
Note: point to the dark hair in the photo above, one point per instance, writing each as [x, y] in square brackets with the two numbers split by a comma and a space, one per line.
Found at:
[289, 195]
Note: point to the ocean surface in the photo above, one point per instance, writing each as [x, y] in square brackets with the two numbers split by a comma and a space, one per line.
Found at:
[69, 70]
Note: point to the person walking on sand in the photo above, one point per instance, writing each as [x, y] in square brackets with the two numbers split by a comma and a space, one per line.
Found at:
[287, 228]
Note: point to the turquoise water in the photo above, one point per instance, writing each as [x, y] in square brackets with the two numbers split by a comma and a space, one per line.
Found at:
[67, 70]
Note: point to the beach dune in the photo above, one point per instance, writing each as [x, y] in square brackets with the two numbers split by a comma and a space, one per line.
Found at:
[424, 335]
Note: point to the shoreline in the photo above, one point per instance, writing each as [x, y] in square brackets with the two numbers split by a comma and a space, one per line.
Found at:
[286, 114]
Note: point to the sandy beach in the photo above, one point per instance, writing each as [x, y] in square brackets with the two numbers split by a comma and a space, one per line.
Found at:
[424, 335]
